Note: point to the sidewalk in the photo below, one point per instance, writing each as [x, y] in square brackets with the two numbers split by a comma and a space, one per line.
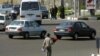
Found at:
[49, 21]
[57, 21]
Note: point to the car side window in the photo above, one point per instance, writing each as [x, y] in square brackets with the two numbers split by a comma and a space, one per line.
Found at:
[77, 25]
[35, 24]
[30, 24]
[84, 25]
[26, 24]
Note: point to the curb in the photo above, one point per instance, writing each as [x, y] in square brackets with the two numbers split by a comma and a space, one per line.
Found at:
[50, 22]
[56, 22]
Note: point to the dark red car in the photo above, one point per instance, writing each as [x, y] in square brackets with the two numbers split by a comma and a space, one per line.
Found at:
[74, 29]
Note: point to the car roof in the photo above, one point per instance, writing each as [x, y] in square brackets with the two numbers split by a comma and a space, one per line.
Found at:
[22, 20]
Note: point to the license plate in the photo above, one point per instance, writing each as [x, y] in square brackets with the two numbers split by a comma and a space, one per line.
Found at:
[61, 30]
[12, 29]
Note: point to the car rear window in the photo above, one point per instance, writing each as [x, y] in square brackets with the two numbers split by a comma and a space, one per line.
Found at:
[66, 24]
[30, 6]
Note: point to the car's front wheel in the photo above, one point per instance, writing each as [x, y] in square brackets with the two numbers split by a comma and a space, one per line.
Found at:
[26, 35]
[10, 36]
[42, 35]
[75, 36]
[92, 36]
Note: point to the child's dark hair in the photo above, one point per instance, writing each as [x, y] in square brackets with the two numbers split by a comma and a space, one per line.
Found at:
[48, 34]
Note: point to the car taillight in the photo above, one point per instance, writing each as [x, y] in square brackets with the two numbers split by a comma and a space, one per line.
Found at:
[69, 29]
[19, 29]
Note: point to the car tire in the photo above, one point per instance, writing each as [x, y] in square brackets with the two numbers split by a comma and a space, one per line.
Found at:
[10, 36]
[26, 35]
[75, 36]
[42, 35]
[58, 37]
[92, 36]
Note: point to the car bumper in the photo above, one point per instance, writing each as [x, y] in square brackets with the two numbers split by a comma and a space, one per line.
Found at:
[15, 33]
[64, 33]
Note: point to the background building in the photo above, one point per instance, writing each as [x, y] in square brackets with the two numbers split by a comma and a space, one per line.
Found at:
[50, 3]
[10, 1]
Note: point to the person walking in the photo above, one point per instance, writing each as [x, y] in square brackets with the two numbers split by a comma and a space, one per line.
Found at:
[13, 15]
[47, 45]
[55, 12]
[52, 13]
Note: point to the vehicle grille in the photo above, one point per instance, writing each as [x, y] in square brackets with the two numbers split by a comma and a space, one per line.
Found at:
[12, 27]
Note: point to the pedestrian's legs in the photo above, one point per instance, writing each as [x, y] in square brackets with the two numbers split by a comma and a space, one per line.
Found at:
[54, 16]
[49, 51]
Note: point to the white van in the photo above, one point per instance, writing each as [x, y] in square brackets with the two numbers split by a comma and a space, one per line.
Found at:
[31, 9]
[4, 20]
[5, 8]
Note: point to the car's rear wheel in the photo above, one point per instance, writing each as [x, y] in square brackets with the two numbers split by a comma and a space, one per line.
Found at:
[75, 36]
[92, 36]
[26, 35]
[42, 35]
[10, 36]
[59, 37]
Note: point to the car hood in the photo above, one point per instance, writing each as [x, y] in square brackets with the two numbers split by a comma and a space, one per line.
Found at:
[13, 26]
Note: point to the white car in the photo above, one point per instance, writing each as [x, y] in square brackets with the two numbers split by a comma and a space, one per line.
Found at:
[24, 28]
[4, 20]
[5, 8]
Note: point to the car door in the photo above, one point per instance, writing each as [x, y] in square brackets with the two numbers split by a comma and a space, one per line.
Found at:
[77, 28]
[28, 27]
[35, 29]
[84, 29]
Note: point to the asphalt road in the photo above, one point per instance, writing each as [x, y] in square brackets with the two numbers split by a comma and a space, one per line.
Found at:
[32, 47]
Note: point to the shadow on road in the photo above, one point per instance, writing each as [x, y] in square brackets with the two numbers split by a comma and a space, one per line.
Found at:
[2, 30]
[79, 39]
[30, 38]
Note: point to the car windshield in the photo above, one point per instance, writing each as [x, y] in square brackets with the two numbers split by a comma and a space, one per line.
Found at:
[1, 17]
[43, 8]
[66, 24]
[30, 6]
[17, 23]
